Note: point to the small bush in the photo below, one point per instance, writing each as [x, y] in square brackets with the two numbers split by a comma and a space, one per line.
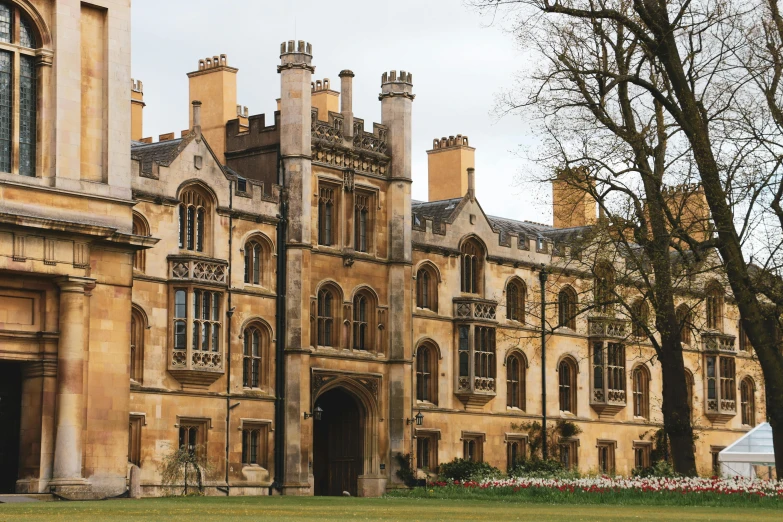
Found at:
[405, 473]
[539, 468]
[467, 470]
[661, 468]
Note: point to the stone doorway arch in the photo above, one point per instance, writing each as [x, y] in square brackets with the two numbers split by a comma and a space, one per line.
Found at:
[345, 446]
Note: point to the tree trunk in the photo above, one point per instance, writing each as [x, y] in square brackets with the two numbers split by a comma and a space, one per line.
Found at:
[676, 413]
[753, 318]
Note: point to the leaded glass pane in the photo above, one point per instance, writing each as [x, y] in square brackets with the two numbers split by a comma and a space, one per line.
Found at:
[5, 23]
[26, 38]
[27, 116]
[6, 101]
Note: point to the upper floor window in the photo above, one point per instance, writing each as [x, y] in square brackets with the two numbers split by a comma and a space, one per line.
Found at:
[515, 301]
[640, 318]
[197, 330]
[193, 216]
[689, 391]
[18, 92]
[515, 381]
[361, 222]
[472, 264]
[744, 341]
[427, 374]
[641, 392]
[427, 288]
[714, 306]
[476, 359]
[721, 395]
[566, 308]
[684, 321]
[326, 325]
[140, 228]
[608, 372]
[748, 401]
[137, 344]
[567, 385]
[253, 263]
[363, 311]
[255, 344]
[604, 288]
[326, 216]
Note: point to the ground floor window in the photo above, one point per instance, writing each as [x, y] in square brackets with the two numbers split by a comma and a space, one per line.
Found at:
[134, 439]
[473, 447]
[568, 450]
[193, 435]
[606, 456]
[427, 451]
[516, 451]
[641, 455]
[254, 441]
[714, 451]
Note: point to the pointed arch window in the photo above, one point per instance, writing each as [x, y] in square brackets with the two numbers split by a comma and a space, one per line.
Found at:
[567, 385]
[515, 382]
[253, 263]
[684, 322]
[566, 308]
[471, 267]
[193, 215]
[325, 318]
[363, 313]
[18, 74]
[427, 374]
[748, 401]
[714, 306]
[641, 393]
[138, 326]
[515, 301]
[254, 351]
[361, 223]
[140, 228]
[604, 288]
[640, 318]
[326, 213]
[427, 289]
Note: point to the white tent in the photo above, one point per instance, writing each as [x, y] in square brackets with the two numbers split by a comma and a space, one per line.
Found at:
[752, 449]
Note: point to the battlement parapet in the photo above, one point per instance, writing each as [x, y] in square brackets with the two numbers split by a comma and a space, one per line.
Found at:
[394, 77]
[296, 47]
[684, 188]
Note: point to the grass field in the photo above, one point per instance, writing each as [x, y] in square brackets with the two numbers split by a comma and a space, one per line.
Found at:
[338, 508]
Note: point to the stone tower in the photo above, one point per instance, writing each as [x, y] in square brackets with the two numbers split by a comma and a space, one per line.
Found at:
[296, 72]
[396, 104]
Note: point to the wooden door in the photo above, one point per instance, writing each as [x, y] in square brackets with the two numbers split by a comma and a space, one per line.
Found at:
[337, 461]
[10, 412]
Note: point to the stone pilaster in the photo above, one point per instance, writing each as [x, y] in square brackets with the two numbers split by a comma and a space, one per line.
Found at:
[68, 447]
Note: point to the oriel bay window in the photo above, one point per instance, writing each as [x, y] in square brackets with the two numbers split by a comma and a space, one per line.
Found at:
[476, 361]
[18, 74]
[721, 401]
[608, 377]
[197, 334]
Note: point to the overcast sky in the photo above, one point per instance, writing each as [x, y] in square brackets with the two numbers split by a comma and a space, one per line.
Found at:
[459, 61]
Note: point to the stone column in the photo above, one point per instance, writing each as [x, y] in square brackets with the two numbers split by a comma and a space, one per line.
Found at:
[68, 444]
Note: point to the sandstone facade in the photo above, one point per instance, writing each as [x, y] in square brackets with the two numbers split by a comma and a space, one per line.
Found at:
[271, 295]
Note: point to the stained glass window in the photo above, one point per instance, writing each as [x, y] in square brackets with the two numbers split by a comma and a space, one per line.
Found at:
[26, 38]
[6, 101]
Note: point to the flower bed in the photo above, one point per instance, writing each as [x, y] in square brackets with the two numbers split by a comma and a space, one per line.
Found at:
[604, 484]
[607, 490]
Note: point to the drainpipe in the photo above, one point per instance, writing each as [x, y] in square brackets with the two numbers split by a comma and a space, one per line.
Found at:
[280, 327]
[542, 277]
[229, 314]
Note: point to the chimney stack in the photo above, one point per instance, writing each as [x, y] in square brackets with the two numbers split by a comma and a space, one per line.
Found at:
[137, 108]
[572, 204]
[450, 161]
[196, 116]
[346, 101]
[215, 84]
[472, 183]
[324, 98]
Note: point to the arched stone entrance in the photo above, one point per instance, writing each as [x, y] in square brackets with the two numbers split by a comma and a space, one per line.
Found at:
[338, 444]
[346, 454]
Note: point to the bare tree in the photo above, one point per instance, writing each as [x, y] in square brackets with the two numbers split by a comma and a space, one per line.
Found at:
[709, 70]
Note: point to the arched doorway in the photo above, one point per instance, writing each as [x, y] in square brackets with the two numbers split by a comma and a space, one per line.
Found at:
[338, 444]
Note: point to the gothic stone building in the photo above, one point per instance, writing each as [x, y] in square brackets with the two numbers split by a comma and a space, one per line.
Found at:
[267, 293]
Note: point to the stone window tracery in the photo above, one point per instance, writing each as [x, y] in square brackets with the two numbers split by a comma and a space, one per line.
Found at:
[193, 216]
[326, 214]
[719, 381]
[362, 222]
[714, 306]
[326, 310]
[471, 267]
[254, 352]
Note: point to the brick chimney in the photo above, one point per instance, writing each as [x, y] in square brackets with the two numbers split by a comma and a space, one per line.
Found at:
[448, 165]
[215, 85]
[324, 98]
[572, 206]
[137, 108]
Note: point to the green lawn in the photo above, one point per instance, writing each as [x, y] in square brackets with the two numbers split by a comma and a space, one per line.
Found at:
[407, 509]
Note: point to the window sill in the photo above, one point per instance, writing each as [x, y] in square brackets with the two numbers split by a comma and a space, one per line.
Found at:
[514, 409]
[425, 404]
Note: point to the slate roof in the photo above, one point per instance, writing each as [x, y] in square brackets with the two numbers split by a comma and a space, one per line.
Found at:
[162, 153]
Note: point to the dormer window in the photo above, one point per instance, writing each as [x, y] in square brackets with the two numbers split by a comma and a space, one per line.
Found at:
[472, 266]
[17, 84]
[714, 306]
